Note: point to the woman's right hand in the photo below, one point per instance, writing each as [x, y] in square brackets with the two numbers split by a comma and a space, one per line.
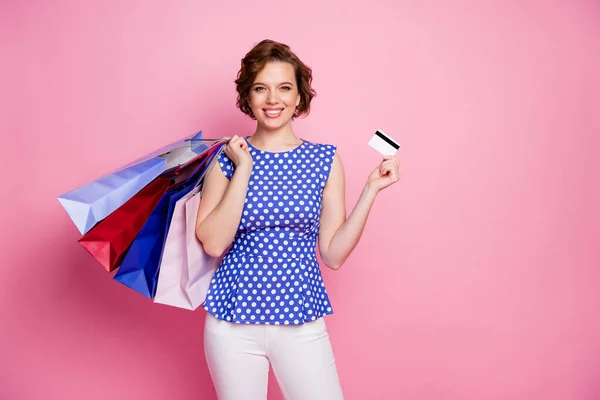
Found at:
[238, 153]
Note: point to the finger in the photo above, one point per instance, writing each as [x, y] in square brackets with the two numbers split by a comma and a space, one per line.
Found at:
[392, 169]
[386, 164]
[385, 171]
[391, 159]
[243, 146]
[237, 142]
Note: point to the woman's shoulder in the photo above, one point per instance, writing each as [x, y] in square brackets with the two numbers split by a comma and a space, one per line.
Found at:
[325, 153]
[321, 147]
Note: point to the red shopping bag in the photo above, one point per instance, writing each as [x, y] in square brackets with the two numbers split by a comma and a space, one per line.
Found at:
[109, 240]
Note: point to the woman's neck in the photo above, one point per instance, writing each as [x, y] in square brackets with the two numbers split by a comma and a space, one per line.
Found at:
[281, 139]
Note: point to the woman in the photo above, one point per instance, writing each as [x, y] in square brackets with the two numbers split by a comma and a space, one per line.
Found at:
[273, 196]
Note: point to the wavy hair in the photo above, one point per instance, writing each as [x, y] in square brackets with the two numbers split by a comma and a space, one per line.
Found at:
[255, 60]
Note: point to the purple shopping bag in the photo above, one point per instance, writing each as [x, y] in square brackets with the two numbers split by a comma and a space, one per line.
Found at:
[89, 204]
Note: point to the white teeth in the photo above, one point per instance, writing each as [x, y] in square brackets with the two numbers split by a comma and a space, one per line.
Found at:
[273, 112]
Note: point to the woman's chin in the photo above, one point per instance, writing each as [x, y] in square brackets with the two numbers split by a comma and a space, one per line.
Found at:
[273, 124]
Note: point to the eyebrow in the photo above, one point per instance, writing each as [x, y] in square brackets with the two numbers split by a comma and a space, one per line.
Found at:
[284, 83]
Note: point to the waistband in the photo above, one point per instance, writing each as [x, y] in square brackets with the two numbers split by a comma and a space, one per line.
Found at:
[234, 253]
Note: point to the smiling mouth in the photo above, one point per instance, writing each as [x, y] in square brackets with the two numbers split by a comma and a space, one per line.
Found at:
[273, 113]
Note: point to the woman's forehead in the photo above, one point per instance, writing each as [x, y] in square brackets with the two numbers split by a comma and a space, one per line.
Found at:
[276, 72]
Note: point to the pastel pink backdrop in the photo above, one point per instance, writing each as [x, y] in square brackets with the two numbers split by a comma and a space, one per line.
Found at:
[477, 276]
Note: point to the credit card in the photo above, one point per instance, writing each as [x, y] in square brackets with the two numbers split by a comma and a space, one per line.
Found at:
[384, 144]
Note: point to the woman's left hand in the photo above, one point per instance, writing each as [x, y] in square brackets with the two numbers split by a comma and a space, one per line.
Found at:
[385, 174]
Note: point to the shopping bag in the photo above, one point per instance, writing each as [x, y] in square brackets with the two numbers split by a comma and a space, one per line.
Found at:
[183, 281]
[109, 240]
[201, 266]
[196, 143]
[140, 267]
[91, 203]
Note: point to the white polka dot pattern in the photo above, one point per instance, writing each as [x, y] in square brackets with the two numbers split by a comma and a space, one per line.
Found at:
[271, 274]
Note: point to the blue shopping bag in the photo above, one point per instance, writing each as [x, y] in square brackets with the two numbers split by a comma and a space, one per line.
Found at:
[140, 267]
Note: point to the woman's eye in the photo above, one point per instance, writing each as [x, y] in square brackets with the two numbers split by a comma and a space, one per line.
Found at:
[258, 89]
[286, 88]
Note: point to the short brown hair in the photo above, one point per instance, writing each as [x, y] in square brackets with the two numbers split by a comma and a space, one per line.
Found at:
[255, 60]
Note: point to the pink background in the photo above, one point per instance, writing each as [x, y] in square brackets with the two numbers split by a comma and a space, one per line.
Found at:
[477, 277]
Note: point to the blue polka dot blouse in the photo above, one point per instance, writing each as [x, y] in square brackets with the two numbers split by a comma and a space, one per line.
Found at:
[271, 274]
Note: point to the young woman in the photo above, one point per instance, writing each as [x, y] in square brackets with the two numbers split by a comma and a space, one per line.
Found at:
[275, 198]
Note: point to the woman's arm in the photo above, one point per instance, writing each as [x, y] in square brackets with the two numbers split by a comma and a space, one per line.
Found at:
[338, 235]
[223, 201]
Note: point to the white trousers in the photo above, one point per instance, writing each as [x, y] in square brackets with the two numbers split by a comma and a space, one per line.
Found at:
[239, 355]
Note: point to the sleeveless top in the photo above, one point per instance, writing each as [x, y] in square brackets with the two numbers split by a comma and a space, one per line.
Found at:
[271, 274]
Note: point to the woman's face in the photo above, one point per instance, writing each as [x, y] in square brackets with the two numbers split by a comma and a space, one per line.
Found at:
[274, 95]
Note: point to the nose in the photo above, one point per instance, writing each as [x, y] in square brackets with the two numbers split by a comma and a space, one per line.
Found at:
[272, 97]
